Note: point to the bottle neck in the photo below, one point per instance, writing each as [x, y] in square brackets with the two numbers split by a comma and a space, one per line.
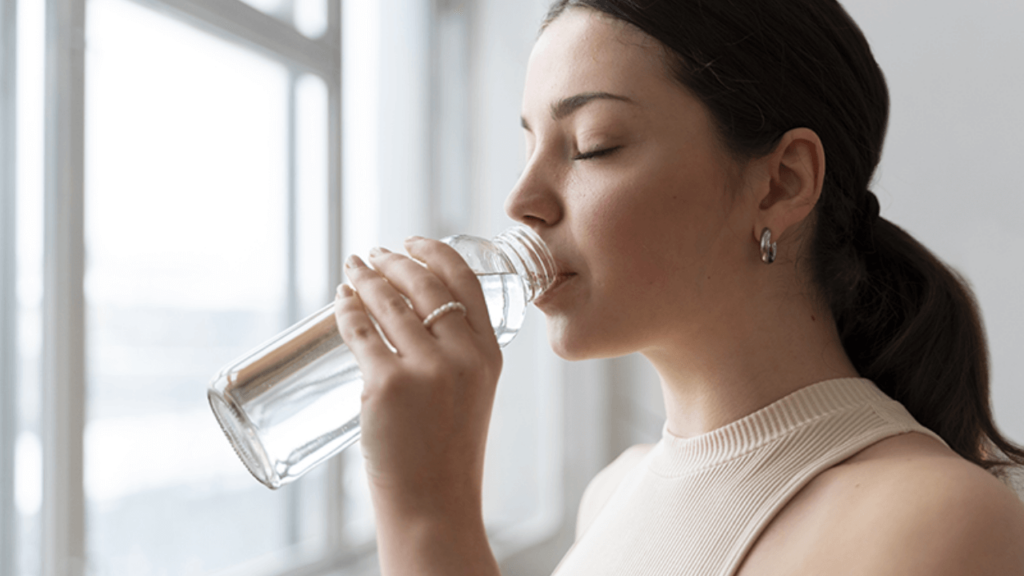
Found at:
[530, 257]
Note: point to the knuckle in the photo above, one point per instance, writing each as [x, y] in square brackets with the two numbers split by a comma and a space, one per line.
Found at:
[472, 367]
[488, 363]
[357, 332]
[395, 306]
[424, 284]
[432, 249]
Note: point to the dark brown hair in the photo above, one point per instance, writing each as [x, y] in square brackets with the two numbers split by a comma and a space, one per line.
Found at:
[907, 321]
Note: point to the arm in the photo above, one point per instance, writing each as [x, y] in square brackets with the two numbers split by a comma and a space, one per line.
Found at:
[428, 544]
[425, 408]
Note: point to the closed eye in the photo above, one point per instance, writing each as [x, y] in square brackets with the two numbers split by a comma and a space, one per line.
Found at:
[596, 153]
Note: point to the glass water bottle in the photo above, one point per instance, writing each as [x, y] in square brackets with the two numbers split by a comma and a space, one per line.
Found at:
[294, 402]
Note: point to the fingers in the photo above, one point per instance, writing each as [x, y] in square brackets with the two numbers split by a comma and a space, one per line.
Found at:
[400, 324]
[462, 283]
[426, 291]
[358, 331]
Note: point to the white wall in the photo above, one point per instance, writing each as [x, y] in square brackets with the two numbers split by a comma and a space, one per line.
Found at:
[950, 173]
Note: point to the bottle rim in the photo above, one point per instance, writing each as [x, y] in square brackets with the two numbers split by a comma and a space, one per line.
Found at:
[538, 267]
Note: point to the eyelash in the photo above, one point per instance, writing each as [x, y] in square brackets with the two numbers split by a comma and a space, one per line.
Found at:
[596, 153]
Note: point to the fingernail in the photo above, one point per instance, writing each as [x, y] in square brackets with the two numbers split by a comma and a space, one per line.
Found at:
[355, 262]
[378, 250]
[412, 239]
[345, 291]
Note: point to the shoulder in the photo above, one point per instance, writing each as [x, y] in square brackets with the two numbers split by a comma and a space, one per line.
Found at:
[926, 510]
[601, 488]
[907, 505]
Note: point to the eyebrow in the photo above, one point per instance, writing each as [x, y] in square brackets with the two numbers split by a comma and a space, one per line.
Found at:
[567, 106]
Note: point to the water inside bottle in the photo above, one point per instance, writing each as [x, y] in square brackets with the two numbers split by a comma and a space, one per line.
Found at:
[506, 304]
[317, 394]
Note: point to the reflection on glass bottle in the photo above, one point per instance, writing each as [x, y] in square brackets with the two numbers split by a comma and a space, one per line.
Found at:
[295, 401]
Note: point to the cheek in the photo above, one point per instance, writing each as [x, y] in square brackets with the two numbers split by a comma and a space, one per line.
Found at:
[652, 235]
[617, 237]
[631, 253]
[640, 227]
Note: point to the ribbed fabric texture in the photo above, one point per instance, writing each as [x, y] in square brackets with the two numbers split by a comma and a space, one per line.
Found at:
[695, 506]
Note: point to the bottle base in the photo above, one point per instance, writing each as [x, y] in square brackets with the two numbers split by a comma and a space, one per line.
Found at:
[243, 440]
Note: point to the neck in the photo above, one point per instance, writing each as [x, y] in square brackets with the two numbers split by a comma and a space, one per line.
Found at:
[729, 371]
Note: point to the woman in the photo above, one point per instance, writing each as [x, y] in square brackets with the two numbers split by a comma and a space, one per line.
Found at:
[700, 171]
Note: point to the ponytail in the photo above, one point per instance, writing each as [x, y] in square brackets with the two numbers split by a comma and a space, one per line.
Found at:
[911, 324]
[764, 67]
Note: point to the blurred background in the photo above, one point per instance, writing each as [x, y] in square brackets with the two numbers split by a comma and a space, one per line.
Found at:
[180, 180]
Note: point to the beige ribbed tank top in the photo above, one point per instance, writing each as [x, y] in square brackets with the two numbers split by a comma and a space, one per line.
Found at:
[695, 506]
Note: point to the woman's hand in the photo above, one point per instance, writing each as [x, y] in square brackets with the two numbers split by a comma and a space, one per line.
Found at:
[426, 405]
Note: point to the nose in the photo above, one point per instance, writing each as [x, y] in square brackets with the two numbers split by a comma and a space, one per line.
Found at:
[535, 200]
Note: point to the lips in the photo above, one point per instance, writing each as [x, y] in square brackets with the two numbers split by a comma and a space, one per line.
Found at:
[560, 280]
[562, 277]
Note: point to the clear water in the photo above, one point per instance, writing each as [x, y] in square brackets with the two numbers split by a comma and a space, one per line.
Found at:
[506, 304]
[295, 402]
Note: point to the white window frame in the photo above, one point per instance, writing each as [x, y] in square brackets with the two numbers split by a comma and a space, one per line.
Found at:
[8, 182]
[63, 380]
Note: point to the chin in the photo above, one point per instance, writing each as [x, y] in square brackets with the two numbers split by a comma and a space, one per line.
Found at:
[566, 353]
[573, 345]
[561, 344]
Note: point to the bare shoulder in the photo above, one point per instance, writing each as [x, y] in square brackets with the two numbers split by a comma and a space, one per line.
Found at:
[605, 483]
[929, 511]
[907, 505]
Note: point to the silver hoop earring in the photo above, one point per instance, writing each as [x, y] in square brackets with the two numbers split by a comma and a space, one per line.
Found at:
[768, 248]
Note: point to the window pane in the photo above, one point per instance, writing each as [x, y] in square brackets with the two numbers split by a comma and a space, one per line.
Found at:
[186, 231]
[361, 68]
[311, 17]
[311, 194]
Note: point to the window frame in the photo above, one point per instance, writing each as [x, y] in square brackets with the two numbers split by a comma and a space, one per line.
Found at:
[8, 183]
[63, 532]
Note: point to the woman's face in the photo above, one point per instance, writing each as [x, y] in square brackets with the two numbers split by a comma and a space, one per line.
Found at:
[627, 182]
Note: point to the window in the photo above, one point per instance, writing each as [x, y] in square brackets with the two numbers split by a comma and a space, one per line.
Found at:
[194, 222]
[172, 200]
[187, 215]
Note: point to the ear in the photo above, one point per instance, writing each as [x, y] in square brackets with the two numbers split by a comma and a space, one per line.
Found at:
[796, 173]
